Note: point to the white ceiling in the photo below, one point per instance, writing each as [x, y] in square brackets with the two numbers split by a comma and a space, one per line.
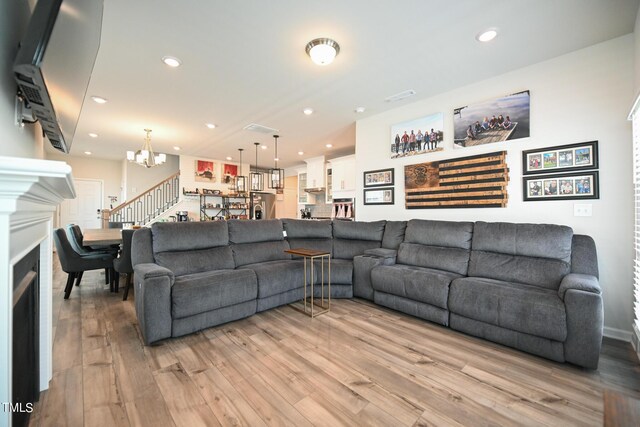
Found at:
[244, 62]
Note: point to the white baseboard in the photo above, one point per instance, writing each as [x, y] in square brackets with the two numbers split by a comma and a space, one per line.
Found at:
[617, 334]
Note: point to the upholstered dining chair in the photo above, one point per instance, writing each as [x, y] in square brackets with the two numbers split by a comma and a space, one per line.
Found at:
[122, 264]
[75, 264]
[75, 236]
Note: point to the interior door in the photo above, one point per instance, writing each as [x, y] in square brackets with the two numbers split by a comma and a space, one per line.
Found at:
[84, 210]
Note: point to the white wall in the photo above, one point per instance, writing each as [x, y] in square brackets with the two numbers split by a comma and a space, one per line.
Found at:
[108, 171]
[636, 37]
[578, 97]
[15, 141]
[139, 179]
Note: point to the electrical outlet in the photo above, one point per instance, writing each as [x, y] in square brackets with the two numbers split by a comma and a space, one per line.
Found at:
[582, 209]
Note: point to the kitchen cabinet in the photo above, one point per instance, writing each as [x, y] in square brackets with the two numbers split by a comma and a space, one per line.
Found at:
[328, 180]
[304, 198]
[315, 172]
[343, 177]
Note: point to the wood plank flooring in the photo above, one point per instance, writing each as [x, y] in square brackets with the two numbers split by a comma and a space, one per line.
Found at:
[358, 365]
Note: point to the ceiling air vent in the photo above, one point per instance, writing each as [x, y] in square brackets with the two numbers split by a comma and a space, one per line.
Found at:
[400, 96]
[253, 127]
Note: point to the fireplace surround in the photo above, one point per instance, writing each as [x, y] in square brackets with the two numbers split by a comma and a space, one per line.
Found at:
[30, 191]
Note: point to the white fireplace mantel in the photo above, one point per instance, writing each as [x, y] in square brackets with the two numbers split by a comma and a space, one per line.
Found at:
[30, 190]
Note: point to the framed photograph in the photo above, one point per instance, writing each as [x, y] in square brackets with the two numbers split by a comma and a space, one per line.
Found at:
[572, 157]
[419, 136]
[204, 171]
[566, 186]
[379, 178]
[378, 196]
[496, 120]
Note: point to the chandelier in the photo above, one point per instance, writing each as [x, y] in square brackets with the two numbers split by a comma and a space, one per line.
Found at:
[241, 181]
[276, 175]
[146, 157]
[255, 178]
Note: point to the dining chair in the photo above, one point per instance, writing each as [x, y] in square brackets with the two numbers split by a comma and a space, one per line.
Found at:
[76, 238]
[122, 264]
[75, 264]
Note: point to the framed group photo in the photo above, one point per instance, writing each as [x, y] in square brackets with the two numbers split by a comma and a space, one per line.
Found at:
[567, 186]
[379, 196]
[419, 136]
[572, 157]
[379, 178]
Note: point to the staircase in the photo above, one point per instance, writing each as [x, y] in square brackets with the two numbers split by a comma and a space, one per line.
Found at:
[145, 207]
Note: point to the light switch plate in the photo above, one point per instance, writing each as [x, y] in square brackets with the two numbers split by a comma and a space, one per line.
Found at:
[582, 209]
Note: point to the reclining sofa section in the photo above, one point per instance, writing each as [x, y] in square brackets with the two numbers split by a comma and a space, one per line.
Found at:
[533, 287]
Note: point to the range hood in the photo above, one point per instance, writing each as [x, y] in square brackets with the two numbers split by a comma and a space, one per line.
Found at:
[315, 190]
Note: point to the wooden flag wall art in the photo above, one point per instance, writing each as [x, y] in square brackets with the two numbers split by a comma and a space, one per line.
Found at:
[465, 182]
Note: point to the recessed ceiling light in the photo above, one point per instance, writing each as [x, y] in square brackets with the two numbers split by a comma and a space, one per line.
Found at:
[359, 110]
[88, 153]
[211, 125]
[308, 111]
[276, 159]
[171, 61]
[229, 158]
[329, 145]
[487, 35]
[300, 153]
[176, 148]
[264, 147]
[93, 135]
[322, 51]
[99, 99]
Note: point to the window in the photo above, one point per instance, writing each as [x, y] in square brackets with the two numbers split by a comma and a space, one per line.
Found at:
[635, 117]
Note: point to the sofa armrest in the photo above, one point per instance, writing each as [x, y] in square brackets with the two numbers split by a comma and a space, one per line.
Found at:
[153, 301]
[382, 253]
[580, 282]
[362, 266]
[585, 324]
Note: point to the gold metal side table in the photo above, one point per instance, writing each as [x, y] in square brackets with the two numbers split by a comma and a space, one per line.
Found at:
[311, 255]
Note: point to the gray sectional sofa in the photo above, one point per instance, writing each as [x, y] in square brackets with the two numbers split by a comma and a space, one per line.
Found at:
[533, 287]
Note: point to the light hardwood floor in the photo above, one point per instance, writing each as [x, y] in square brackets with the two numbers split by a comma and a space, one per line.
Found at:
[358, 365]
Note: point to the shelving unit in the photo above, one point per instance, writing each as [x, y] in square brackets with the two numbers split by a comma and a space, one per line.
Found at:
[223, 206]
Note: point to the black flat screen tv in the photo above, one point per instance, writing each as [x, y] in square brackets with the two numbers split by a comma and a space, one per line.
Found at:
[55, 61]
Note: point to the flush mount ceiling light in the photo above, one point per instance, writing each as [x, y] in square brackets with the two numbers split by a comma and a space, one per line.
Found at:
[276, 175]
[256, 178]
[93, 135]
[487, 35]
[308, 111]
[145, 156]
[210, 125]
[322, 51]
[99, 99]
[171, 61]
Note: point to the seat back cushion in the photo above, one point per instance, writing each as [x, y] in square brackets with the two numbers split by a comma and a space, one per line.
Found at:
[532, 254]
[443, 245]
[352, 238]
[192, 247]
[257, 241]
[309, 234]
[393, 234]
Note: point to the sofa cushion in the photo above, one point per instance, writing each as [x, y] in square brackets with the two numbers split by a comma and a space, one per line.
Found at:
[275, 277]
[347, 249]
[201, 292]
[307, 229]
[446, 234]
[440, 258]
[324, 245]
[243, 231]
[421, 284]
[341, 271]
[196, 261]
[358, 230]
[393, 234]
[252, 253]
[187, 236]
[513, 306]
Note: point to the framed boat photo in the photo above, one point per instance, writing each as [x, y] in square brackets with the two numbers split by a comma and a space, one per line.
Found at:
[497, 120]
[567, 186]
[572, 157]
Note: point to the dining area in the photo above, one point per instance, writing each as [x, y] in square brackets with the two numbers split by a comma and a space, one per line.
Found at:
[107, 249]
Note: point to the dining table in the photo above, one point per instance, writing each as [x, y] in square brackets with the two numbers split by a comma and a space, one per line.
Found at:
[101, 236]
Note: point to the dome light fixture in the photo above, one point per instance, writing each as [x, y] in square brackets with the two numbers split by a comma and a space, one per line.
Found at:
[487, 35]
[322, 51]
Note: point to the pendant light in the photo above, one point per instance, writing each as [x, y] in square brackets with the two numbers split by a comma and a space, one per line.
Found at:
[241, 181]
[276, 175]
[256, 178]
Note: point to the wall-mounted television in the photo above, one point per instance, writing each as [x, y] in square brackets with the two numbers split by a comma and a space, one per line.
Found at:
[55, 61]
